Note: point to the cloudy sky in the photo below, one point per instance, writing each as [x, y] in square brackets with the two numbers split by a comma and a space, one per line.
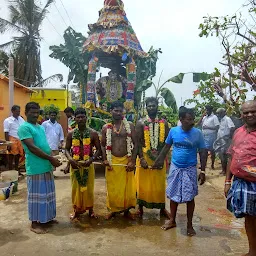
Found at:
[168, 24]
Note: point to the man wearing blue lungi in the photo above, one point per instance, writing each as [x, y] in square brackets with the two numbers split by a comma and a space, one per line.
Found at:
[182, 180]
[39, 166]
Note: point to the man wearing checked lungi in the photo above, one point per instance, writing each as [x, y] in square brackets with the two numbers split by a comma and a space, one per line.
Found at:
[39, 166]
[182, 187]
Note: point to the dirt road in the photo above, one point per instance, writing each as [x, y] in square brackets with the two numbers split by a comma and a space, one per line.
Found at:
[218, 233]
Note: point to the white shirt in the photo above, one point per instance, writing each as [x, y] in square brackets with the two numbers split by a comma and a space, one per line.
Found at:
[54, 134]
[210, 121]
[226, 124]
[12, 124]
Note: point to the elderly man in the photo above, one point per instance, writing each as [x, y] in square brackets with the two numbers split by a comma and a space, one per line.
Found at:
[241, 197]
[210, 127]
[224, 137]
[11, 126]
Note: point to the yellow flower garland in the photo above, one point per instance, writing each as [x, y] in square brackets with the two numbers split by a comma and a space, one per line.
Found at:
[162, 132]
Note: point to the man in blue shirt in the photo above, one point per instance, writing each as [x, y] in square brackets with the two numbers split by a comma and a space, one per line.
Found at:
[182, 181]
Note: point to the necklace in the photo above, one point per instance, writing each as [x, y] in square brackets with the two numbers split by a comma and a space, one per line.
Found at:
[120, 129]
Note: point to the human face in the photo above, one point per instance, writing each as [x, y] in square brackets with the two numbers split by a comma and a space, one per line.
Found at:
[188, 122]
[152, 109]
[53, 117]
[69, 114]
[32, 115]
[249, 114]
[209, 111]
[16, 112]
[81, 120]
[221, 114]
[117, 113]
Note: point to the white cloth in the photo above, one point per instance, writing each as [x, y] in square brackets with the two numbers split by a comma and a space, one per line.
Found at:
[210, 121]
[12, 124]
[226, 124]
[54, 134]
[179, 123]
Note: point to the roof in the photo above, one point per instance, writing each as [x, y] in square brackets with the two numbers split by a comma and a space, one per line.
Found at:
[48, 89]
[18, 85]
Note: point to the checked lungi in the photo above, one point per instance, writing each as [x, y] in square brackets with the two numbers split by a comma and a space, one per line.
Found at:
[41, 197]
[241, 198]
[182, 184]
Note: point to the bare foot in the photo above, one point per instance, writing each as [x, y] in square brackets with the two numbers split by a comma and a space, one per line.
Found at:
[165, 213]
[140, 212]
[38, 228]
[110, 216]
[168, 225]
[74, 216]
[52, 222]
[223, 173]
[129, 216]
[92, 215]
[191, 232]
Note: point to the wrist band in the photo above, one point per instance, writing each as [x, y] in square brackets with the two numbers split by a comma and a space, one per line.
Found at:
[228, 183]
[228, 180]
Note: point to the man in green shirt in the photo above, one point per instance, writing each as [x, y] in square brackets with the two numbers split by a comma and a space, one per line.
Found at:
[39, 166]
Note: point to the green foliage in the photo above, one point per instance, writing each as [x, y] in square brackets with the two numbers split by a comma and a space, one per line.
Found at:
[171, 117]
[25, 20]
[169, 99]
[71, 55]
[48, 108]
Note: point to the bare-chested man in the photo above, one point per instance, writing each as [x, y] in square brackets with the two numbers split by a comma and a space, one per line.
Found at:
[119, 150]
[80, 142]
[151, 183]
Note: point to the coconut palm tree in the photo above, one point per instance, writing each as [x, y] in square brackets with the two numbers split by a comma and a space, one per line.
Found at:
[26, 17]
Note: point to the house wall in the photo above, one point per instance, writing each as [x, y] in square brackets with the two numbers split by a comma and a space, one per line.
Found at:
[21, 98]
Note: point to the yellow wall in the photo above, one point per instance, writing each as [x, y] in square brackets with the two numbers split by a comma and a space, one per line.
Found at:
[50, 96]
[21, 98]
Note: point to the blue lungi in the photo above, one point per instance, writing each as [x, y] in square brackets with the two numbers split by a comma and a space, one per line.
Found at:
[241, 198]
[209, 139]
[182, 184]
[41, 197]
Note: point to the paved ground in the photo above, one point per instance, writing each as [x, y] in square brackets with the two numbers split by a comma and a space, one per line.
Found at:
[218, 233]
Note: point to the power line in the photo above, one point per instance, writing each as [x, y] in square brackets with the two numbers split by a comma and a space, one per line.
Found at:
[54, 27]
[67, 14]
[60, 14]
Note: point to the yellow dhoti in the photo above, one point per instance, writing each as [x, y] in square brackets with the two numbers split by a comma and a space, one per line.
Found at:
[151, 185]
[121, 188]
[82, 197]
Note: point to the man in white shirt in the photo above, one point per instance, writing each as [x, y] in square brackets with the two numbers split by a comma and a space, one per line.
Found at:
[54, 133]
[210, 127]
[11, 126]
[224, 137]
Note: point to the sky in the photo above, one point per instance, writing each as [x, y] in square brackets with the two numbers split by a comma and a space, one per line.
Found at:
[171, 25]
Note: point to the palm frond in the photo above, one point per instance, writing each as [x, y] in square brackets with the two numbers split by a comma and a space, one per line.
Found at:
[7, 45]
[44, 82]
[6, 25]
[44, 11]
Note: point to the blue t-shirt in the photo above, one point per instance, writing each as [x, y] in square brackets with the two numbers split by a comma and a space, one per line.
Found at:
[34, 164]
[185, 146]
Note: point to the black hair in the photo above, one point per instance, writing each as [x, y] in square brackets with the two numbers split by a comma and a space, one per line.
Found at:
[31, 105]
[209, 107]
[69, 110]
[15, 107]
[151, 99]
[53, 112]
[185, 111]
[80, 111]
[117, 104]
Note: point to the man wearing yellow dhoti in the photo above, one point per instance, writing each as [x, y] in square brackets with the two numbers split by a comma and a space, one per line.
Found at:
[151, 133]
[79, 145]
[119, 150]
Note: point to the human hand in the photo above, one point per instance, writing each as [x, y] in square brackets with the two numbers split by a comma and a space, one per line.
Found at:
[158, 165]
[87, 163]
[130, 166]
[143, 163]
[74, 164]
[201, 178]
[226, 189]
[55, 162]
[106, 163]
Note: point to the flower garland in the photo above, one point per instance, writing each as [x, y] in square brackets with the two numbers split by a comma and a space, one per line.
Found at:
[154, 136]
[109, 140]
[76, 147]
[76, 150]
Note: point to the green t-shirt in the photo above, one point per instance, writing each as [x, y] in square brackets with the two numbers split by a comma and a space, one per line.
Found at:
[34, 164]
